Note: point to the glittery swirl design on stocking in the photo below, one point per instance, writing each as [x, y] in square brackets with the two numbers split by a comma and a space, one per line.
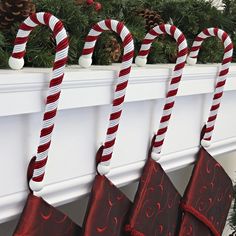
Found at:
[191, 226]
[209, 194]
[40, 219]
[156, 207]
[107, 210]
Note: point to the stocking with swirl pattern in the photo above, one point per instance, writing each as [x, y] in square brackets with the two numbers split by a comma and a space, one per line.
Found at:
[156, 208]
[40, 219]
[207, 199]
[107, 209]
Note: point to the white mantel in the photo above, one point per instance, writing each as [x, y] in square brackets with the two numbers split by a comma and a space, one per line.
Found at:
[81, 124]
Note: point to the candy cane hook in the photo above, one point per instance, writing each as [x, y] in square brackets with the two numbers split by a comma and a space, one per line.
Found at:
[221, 79]
[16, 61]
[141, 60]
[122, 82]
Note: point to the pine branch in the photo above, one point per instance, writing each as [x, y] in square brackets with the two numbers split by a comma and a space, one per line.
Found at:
[190, 16]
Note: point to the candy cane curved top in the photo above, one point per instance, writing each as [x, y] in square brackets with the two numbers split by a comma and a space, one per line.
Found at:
[16, 61]
[122, 82]
[192, 59]
[141, 60]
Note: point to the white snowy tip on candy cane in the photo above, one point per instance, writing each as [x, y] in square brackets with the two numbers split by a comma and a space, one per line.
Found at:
[221, 79]
[85, 61]
[36, 186]
[205, 143]
[140, 61]
[175, 78]
[191, 61]
[16, 61]
[156, 156]
[119, 95]
[103, 169]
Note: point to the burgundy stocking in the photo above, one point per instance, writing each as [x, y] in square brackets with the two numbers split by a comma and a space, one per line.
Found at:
[156, 206]
[107, 210]
[207, 199]
[41, 219]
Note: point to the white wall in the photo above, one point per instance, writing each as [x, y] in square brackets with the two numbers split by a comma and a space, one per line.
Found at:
[180, 178]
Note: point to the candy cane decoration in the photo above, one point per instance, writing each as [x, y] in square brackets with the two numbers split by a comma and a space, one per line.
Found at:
[122, 82]
[192, 59]
[16, 61]
[141, 60]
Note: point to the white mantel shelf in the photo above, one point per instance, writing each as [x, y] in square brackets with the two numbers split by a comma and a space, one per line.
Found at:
[92, 87]
[82, 119]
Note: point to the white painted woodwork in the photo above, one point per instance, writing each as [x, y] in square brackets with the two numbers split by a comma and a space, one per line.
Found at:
[81, 124]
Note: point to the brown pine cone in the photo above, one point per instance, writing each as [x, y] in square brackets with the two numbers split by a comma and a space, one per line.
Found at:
[114, 49]
[152, 18]
[12, 11]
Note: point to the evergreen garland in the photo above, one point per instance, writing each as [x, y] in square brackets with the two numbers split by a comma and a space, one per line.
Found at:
[78, 17]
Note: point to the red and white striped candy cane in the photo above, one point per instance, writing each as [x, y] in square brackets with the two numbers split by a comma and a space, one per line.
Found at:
[122, 82]
[192, 59]
[141, 60]
[16, 61]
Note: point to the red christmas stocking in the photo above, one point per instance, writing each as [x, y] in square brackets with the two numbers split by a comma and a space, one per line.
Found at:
[41, 219]
[107, 210]
[156, 206]
[192, 226]
[207, 199]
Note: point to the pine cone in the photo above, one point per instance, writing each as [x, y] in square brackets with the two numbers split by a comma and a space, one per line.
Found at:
[12, 11]
[152, 18]
[113, 48]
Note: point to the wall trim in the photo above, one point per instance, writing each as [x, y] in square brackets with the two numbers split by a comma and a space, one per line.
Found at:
[70, 190]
